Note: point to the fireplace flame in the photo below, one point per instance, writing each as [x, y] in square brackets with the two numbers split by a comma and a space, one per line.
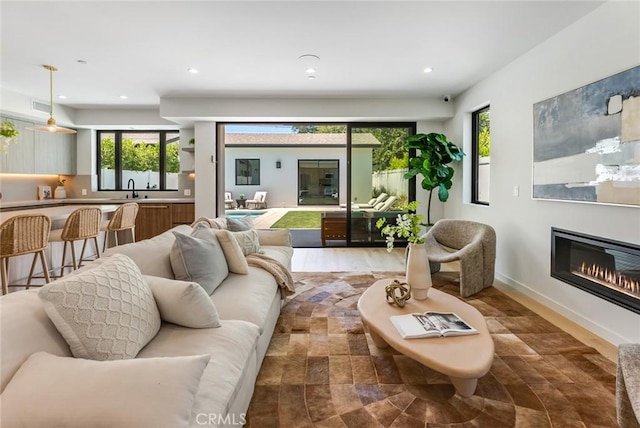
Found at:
[610, 277]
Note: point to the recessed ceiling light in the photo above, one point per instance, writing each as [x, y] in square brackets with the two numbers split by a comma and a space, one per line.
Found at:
[192, 70]
[123, 97]
[62, 97]
[428, 70]
[312, 77]
[81, 61]
[310, 70]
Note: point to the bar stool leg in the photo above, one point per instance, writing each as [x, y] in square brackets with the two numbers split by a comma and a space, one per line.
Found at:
[73, 255]
[133, 235]
[64, 258]
[115, 234]
[95, 241]
[33, 266]
[45, 268]
[4, 275]
[84, 245]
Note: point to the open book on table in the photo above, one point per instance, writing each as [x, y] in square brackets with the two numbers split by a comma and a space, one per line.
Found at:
[431, 324]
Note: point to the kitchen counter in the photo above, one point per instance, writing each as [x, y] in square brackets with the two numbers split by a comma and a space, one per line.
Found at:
[57, 214]
[48, 202]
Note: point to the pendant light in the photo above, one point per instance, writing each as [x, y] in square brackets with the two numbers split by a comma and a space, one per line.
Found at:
[51, 123]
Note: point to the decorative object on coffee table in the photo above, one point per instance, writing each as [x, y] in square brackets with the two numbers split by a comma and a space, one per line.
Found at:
[398, 293]
[418, 272]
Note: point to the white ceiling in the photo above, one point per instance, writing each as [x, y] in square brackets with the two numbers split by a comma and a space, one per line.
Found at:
[366, 48]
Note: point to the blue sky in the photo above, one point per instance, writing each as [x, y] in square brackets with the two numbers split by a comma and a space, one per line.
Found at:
[259, 129]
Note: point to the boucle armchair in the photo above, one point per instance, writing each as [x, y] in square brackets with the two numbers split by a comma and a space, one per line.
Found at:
[628, 385]
[473, 244]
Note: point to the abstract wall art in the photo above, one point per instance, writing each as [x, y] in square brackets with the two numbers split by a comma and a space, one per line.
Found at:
[586, 143]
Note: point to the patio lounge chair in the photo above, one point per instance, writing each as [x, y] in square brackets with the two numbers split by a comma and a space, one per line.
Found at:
[382, 206]
[374, 201]
[228, 200]
[259, 200]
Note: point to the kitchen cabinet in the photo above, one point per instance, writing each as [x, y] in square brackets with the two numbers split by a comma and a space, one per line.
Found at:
[39, 152]
[183, 213]
[152, 220]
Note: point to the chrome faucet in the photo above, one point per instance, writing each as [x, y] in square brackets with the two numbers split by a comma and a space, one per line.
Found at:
[133, 189]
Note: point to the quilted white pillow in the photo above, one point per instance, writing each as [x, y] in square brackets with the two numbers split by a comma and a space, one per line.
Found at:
[105, 313]
[51, 391]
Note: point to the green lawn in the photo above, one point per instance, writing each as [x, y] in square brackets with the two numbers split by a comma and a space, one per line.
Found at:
[299, 220]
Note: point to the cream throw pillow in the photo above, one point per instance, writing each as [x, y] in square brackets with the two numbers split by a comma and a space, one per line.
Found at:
[51, 391]
[105, 313]
[183, 303]
[248, 241]
[232, 252]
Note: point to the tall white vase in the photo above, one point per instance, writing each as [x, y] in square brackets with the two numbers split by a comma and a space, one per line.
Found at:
[418, 272]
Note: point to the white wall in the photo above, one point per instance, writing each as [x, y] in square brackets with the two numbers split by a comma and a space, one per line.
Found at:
[280, 183]
[603, 43]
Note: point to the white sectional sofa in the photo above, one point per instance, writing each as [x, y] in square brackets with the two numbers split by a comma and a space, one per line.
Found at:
[248, 307]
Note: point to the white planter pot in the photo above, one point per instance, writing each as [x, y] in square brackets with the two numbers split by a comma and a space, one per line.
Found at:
[60, 193]
[418, 272]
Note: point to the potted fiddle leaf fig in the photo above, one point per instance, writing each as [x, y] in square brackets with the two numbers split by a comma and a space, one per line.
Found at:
[432, 161]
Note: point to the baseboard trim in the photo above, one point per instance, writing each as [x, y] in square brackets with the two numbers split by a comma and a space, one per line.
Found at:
[587, 331]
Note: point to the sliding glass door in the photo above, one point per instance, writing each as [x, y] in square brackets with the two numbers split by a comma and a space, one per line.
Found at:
[378, 160]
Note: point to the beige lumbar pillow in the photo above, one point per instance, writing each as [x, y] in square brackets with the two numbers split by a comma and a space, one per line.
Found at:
[183, 303]
[105, 313]
[281, 237]
[52, 391]
[232, 252]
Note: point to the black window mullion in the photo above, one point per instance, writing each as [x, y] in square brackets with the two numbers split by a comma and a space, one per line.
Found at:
[118, 160]
[163, 160]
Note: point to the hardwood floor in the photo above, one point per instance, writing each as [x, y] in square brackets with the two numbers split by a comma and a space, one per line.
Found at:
[378, 259]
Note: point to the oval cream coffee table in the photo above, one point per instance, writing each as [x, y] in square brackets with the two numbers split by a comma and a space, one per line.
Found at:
[463, 358]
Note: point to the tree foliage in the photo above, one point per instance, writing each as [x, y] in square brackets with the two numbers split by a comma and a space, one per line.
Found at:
[139, 156]
[484, 135]
[392, 152]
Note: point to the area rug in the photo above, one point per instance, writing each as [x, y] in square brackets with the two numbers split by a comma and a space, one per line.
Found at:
[323, 370]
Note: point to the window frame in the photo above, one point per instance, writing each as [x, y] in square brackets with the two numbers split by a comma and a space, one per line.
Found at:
[117, 137]
[250, 160]
[475, 154]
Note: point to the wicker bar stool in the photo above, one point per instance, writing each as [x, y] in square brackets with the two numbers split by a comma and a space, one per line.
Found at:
[124, 218]
[23, 234]
[82, 224]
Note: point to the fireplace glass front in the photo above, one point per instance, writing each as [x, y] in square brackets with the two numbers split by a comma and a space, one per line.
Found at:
[603, 267]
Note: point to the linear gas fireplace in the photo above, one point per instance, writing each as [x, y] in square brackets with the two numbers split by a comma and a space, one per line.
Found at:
[609, 269]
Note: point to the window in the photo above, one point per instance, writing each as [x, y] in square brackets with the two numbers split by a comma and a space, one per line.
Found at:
[149, 158]
[481, 156]
[247, 172]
